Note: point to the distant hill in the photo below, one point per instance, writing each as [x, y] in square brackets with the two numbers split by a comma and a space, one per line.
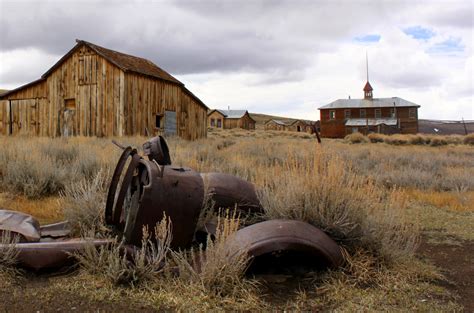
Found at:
[262, 118]
[2, 91]
[444, 127]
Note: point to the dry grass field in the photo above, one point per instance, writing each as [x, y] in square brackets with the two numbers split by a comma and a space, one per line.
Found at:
[404, 214]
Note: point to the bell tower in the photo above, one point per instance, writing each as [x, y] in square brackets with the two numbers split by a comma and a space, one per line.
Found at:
[367, 88]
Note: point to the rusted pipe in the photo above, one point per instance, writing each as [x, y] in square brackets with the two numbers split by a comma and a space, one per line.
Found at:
[39, 255]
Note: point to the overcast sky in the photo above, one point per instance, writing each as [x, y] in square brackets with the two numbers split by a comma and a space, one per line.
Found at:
[277, 57]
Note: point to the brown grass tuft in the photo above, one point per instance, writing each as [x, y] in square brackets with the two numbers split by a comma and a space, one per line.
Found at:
[356, 138]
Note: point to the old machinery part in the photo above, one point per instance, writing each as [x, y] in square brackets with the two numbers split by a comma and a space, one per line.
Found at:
[157, 149]
[39, 255]
[275, 236]
[226, 191]
[19, 223]
[111, 196]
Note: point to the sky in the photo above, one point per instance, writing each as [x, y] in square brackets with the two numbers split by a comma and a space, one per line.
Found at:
[276, 57]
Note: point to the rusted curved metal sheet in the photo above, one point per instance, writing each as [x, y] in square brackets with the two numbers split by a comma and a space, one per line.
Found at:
[56, 230]
[285, 235]
[39, 255]
[25, 225]
[227, 191]
[175, 191]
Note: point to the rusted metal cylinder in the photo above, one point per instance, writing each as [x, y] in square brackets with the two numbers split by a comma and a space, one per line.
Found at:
[175, 191]
[227, 191]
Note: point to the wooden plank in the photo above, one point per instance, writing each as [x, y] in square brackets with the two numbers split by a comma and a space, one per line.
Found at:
[121, 103]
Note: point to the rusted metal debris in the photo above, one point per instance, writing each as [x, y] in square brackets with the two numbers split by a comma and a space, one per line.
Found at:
[144, 189]
[286, 235]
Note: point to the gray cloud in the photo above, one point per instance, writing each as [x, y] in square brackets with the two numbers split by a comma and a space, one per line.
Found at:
[275, 38]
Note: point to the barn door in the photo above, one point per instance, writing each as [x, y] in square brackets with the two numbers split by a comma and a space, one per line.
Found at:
[69, 118]
[170, 123]
[23, 117]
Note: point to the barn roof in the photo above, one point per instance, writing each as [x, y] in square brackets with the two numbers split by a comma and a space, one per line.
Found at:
[306, 122]
[279, 122]
[21, 87]
[126, 62]
[369, 103]
[371, 121]
[233, 113]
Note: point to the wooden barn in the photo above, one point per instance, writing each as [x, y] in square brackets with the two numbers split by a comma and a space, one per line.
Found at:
[94, 91]
[301, 126]
[228, 119]
[276, 125]
[368, 115]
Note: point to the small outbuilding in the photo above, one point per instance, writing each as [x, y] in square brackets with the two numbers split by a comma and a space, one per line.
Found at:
[301, 126]
[227, 119]
[276, 125]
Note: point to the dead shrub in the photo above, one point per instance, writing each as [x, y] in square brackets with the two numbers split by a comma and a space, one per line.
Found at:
[212, 269]
[416, 140]
[438, 141]
[84, 203]
[376, 138]
[34, 176]
[396, 140]
[469, 139]
[356, 138]
[352, 209]
[142, 265]
[8, 252]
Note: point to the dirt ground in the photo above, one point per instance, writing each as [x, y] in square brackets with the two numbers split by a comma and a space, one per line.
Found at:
[31, 294]
[457, 264]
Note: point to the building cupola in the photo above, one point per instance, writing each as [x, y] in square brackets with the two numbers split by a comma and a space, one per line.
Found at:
[368, 91]
[367, 88]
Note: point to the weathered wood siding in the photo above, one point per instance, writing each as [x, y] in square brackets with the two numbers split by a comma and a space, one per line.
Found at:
[216, 116]
[300, 126]
[89, 96]
[245, 122]
[146, 98]
[85, 79]
[271, 125]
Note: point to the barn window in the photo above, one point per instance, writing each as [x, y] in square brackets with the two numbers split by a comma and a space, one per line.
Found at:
[412, 112]
[362, 113]
[332, 115]
[213, 122]
[219, 123]
[347, 114]
[158, 118]
[378, 113]
[70, 104]
[392, 112]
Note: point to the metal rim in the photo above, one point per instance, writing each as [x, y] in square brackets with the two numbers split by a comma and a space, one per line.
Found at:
[127, 152]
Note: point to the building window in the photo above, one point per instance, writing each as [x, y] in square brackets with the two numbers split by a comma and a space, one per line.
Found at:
[213, 122]
[378, 113]
[219, 123]
[412, 112]
[158, 118]
[347, 114]
[70, 104]
[393, 112]
[362, 113]
[332, 115]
